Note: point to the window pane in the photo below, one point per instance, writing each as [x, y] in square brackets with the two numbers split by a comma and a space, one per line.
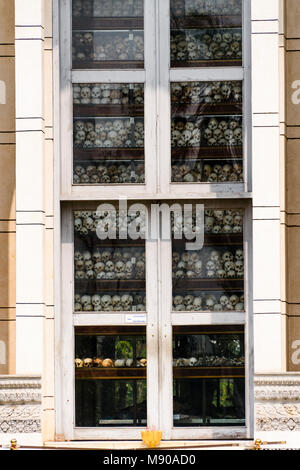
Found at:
[108, 34]
[109, 274]
[108, 133]
[210, 279]
[206, 33]
[110, 376]
[208, 376]
[207, 132]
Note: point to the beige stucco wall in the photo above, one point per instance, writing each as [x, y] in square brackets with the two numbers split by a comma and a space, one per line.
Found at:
[292, 173]
[7, 189]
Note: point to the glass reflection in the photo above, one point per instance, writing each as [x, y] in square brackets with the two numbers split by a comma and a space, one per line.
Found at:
[208, 376]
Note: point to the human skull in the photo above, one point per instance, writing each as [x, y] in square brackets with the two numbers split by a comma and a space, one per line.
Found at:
[106, 301]
[96, 302]
[227, 256]
[197, 303]
[239, 254]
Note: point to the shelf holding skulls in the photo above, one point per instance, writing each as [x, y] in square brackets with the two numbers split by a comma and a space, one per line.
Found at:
[207, 132]
[108, 133]
[206, 33]
[108, 34]
[110, 369]
[208, 362]
[210, 279]
[109, 274]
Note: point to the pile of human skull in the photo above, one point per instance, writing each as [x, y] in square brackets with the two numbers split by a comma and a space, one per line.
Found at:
[107, 94]
[107, 46]
[199, 172]
[223, 221]
[212, 132]
[108, 8]
[206, 7]
[210, 263]
[108, 362]
[108, 133]
[221, 132]
[192, 45]
[220, 302]
[216, 221]
[208, 360]
[109, 173]
[186, 133]
[110, 302]
[86, 222]
[110, 264]
[206, 92]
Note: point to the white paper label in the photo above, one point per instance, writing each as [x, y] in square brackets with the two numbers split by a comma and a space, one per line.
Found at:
[136, 318]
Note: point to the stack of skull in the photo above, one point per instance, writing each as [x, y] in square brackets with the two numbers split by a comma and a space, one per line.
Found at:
[110, 264]
[107, 8]
[211, 360]
[108, 362]
[109, 173]
[86, 222]
[206, 92]
[191, 172]
[208, 302]
[107, 46]
[206, 7]
[213, 132]
[110, 302]
[108, 133]
[216, 221]
[107, 94]
[216, 264]
[192, 45]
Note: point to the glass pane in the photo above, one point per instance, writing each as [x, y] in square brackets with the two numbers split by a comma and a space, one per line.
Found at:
[108, 34]
[108, 133]
[109, 274]
[207, 132]
[208, 376]
[210, 279]
[110, 376]
[206, 33]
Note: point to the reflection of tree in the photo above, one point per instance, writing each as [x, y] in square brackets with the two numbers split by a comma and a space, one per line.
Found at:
[124, 349]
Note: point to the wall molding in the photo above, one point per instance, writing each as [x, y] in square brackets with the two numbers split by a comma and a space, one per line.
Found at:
[20, 404]
[277, 402]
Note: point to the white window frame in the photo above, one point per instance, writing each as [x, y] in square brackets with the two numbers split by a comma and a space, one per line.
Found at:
[156, 75]
[159, 322]
[158, 186]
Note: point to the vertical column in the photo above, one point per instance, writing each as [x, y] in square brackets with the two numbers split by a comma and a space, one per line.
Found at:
[7, 189]
[267, 263]
[30, 197]
[292, 194]
[48, 415]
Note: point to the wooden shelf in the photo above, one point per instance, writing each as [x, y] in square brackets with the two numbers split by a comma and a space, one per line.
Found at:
[129, 373]
[229, 152]
[207, 372]
[113, 330]
[96, 373]
[116, 285]
[100, 110]
[108, 64]
[203, 109]
[214, 240]
[205, 22]
[101, 153]
[91, 240]
[205, 63]
[108, 23]
[180, 285]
